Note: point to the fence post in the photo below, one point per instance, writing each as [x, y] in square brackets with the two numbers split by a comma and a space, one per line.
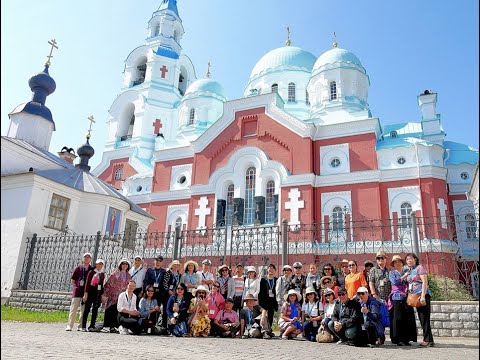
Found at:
[416, 247]
[97, 245]
[29, 261]
[284, 242]
[176, 242]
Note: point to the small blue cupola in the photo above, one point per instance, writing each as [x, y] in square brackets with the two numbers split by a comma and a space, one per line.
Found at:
[33, 121]
[169, 5]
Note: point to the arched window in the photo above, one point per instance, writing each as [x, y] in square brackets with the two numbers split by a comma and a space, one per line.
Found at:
[291, 92]
[130, 126]
[337, 219]
[405, 219]
[182, 80]
[229, 205]
[393, 134]
[307, 99]
[118, 173]
[157, 30]
[191, 118]
[269, 203]
[333, 90]
[275, 88]
[175, 35]
[249, 212]
[470, 226]
[178, 222]
[141, 71]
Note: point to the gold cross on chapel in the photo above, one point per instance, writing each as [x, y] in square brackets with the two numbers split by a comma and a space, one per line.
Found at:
[53, 43]
[90, 118]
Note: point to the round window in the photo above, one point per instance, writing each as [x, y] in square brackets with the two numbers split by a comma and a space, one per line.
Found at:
[335, 162]
[464, 175]
[182, 180]
[401, 160]
[139, 188]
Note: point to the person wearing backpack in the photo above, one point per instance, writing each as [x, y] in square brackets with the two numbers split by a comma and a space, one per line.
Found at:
[372, 317]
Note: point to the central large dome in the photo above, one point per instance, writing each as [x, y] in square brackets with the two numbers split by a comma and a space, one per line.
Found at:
[284, 58]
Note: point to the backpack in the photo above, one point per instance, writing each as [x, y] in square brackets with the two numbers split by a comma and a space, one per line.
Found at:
[384, 314]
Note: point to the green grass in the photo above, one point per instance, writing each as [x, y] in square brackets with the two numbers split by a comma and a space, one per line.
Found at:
[446, 289]
[17, 314]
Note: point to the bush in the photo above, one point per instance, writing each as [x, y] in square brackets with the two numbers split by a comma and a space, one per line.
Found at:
[446, 289]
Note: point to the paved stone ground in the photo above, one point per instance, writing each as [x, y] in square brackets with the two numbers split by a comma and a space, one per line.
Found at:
[51, 341]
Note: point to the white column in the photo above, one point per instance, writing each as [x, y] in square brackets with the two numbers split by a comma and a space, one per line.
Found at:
[202, 211]
[294, 205]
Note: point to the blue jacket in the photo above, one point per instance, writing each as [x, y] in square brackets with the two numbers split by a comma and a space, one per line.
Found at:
[374, 317]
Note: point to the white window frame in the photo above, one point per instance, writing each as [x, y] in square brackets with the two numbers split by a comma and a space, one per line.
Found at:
[291, 92]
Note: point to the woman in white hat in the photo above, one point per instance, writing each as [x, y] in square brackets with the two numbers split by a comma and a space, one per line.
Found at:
[199, 321]
[283, 282]
[290, 316]
[252, 283]
[115, 285]
[190, 277]
[312, 314]
[174, 275]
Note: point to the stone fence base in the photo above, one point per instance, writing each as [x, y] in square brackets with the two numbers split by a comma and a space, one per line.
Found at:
[448, 318]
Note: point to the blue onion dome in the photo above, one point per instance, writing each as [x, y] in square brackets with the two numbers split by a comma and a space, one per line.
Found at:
[42, 83]
[85, 152]
[335, 58]
[205, 87]
[283, 58]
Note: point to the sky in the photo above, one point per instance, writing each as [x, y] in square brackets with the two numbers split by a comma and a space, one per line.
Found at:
[405, 46]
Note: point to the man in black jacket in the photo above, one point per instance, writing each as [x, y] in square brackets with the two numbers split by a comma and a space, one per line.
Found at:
[347, 320]
[159, 279]
[267, 297]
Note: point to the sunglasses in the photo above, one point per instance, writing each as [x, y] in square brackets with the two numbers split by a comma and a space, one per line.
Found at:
[380, 258]
[327, 282]
[201, 293]
[342, 294]
[181, 289]
[150, 291]
[360, 293]
[344, 266]
[327, 269]
[216, 286]
[329, 295]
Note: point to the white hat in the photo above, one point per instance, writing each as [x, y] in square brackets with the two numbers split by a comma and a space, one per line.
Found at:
[99, 261]
[251, 268]
[174, 262]
[200, 288]
[310, 290]
[362, 289]
[297, 264]
[292, 291]
[87, 254]
[124, 260]
[206, 262]
[287, 267]
[137, 257]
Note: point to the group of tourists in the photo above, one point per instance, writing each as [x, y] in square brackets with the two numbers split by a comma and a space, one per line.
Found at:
[339, 303]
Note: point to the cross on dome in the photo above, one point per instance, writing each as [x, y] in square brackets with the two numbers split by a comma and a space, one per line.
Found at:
[90, 118]
[335, 44]
[53, 43]
[288, 42]
[208, 71]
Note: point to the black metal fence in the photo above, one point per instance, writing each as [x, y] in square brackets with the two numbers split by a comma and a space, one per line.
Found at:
[446, 245]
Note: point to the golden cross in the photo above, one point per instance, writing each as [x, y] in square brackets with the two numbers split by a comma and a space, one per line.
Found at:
[90, 118]
[53, 43]
[288, 42]
[335, 40]
[208, 70]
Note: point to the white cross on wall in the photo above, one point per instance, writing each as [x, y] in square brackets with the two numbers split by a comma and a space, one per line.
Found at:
[202, 211]
[294, 205]
[443, 212]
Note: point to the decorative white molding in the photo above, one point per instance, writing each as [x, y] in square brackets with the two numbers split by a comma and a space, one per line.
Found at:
[181, 152]
[330, 152]
[398, 196]
[356, 127]
[442, 207]
[174, 212]
[177, 172]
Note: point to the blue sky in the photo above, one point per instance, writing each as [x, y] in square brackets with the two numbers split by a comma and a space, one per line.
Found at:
[405, 46]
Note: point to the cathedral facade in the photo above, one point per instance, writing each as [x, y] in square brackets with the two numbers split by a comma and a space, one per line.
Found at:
[301, 144]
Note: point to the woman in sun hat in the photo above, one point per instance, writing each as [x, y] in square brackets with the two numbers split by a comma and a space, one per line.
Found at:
[312, 314]
[199, 321]
[403, 328]
[289, 320]
[252, 283]
[327, 282]
[190, 277]
[227, 286]
[174, 276]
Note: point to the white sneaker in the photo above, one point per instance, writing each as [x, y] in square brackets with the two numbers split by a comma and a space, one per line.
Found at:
[122, 330]
[84, 330]
[68, 328]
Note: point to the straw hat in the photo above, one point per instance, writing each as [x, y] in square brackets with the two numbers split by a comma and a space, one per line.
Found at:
[290, 292]
[174, 262]
[224, 266]
[326, 277]
[395, 258]
[310, 290]
[195, 265]
[249, 297]
[200, 288]
[381, 253]
[344, 261]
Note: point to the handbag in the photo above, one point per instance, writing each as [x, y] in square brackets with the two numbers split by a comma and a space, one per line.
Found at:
[413, 300]
[324, 336]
